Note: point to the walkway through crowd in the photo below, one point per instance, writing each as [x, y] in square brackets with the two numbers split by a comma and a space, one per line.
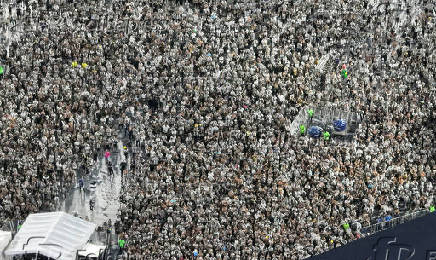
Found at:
[101, 186]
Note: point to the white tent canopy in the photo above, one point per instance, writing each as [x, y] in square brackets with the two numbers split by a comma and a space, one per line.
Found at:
[5, 237]
[56, 235]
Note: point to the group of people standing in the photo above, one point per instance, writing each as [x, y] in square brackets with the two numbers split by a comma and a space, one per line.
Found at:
[206, 93]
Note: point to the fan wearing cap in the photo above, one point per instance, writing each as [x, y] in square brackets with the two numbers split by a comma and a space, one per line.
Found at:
[126, 152]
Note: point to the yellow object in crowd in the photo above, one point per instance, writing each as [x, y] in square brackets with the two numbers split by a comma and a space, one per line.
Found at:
[84, 65]
[74, 64]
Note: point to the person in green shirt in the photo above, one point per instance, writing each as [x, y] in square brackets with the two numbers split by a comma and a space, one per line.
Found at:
[344, 73]
[121, 243]
[1, 70]
[302, 129]
[326, 136]
[310, 112]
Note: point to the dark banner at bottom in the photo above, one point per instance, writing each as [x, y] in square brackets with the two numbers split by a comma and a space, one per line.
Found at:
[414, 240]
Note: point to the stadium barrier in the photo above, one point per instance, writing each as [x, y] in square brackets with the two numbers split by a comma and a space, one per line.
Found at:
[386, 224]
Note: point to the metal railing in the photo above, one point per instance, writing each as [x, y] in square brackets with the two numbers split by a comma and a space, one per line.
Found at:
[387, 224]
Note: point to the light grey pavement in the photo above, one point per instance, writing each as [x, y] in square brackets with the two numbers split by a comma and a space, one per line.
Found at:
[106, 193]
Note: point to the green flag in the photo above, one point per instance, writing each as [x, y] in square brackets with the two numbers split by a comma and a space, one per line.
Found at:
[432, 209]
[121, 243]
[1, 70]
[346, 226]
[326, 136]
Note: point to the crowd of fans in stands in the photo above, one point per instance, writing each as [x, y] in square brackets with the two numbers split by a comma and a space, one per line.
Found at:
[207, 91]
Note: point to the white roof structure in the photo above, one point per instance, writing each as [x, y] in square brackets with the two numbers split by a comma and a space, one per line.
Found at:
[5, 237]
[56, 235]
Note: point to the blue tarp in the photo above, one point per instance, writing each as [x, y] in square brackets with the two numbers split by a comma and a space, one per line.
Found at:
[339, 125]
[315, 131]
[414, 240]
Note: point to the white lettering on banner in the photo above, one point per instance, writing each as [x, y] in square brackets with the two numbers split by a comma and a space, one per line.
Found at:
[431, 255]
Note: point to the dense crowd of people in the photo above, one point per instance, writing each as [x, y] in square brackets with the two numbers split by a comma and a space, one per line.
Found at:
[207, 92]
